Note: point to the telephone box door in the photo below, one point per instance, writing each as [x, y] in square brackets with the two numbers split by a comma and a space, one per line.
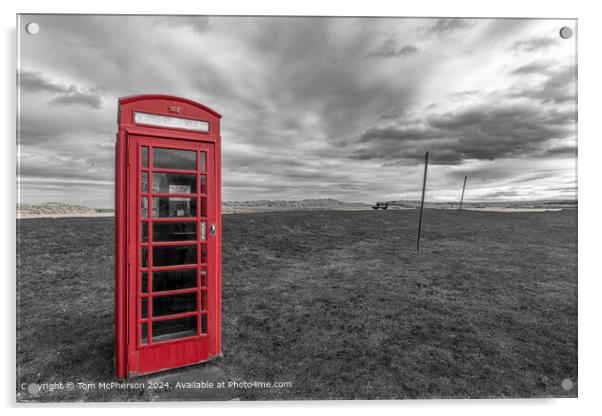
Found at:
[171, 279]
[171, 275]
[167, 234]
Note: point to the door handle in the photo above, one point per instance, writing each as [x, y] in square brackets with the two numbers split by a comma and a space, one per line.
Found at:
[212, 230]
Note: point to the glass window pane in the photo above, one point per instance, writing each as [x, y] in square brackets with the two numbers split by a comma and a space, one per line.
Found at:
[204, 300]
[174, 255]
[144, 232]
[203, 161]
[203, 253]
[144, 282]
[145, 157]
[203, 184]
[174, 159]
[144, 182]
[174, 329]
[173, 304]
[165, 206]
[174, 231]
[203, 273]
[144, 259]
[174, 280]
[174, 183]
[203, 324]
[144, 334]
[144, 208]
[144, 307]
[203, 207]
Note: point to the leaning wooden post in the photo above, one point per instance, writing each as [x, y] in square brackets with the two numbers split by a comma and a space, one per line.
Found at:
[426, 162]
[463, 187]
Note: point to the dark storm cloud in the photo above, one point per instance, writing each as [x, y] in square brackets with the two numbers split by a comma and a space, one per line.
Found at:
[480, 133]
[396, 111]
[521, 173]
[399, 134]
[389, 48]
[532, 68]
[532, 44]
[562, 151]
[33, 81]
[92, 101]
[558, 86]
[444, 27]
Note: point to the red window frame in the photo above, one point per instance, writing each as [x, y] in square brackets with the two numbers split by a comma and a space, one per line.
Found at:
[203, 216]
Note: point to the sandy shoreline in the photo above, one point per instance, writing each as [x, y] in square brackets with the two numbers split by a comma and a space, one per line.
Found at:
[87, 215]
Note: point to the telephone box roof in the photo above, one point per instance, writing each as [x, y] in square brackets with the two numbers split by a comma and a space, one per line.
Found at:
[136, 98]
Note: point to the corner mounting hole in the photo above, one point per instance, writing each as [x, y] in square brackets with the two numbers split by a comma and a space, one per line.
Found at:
[567, 384]
[32, 28]
[566, 32]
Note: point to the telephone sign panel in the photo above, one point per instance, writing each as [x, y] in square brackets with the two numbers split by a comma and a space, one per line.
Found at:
[167, 235]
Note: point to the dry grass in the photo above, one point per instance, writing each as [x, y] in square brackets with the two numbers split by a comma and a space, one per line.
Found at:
[339, 303]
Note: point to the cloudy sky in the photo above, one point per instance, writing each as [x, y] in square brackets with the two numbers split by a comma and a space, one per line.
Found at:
[312, 107]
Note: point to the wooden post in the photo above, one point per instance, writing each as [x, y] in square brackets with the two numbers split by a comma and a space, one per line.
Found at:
[463, 187]
[426, 162]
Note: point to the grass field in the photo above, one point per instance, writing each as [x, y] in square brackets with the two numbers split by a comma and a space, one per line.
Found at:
[337, 302]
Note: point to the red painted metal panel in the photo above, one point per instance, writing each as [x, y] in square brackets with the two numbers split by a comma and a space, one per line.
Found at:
[131, 356]
[216, 346]
[173, 355]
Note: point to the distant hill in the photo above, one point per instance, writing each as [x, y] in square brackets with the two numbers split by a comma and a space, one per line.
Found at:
[306, 204]
[50, 209]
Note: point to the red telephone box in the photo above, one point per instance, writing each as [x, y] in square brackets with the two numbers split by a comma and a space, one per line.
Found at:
[167, 235]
